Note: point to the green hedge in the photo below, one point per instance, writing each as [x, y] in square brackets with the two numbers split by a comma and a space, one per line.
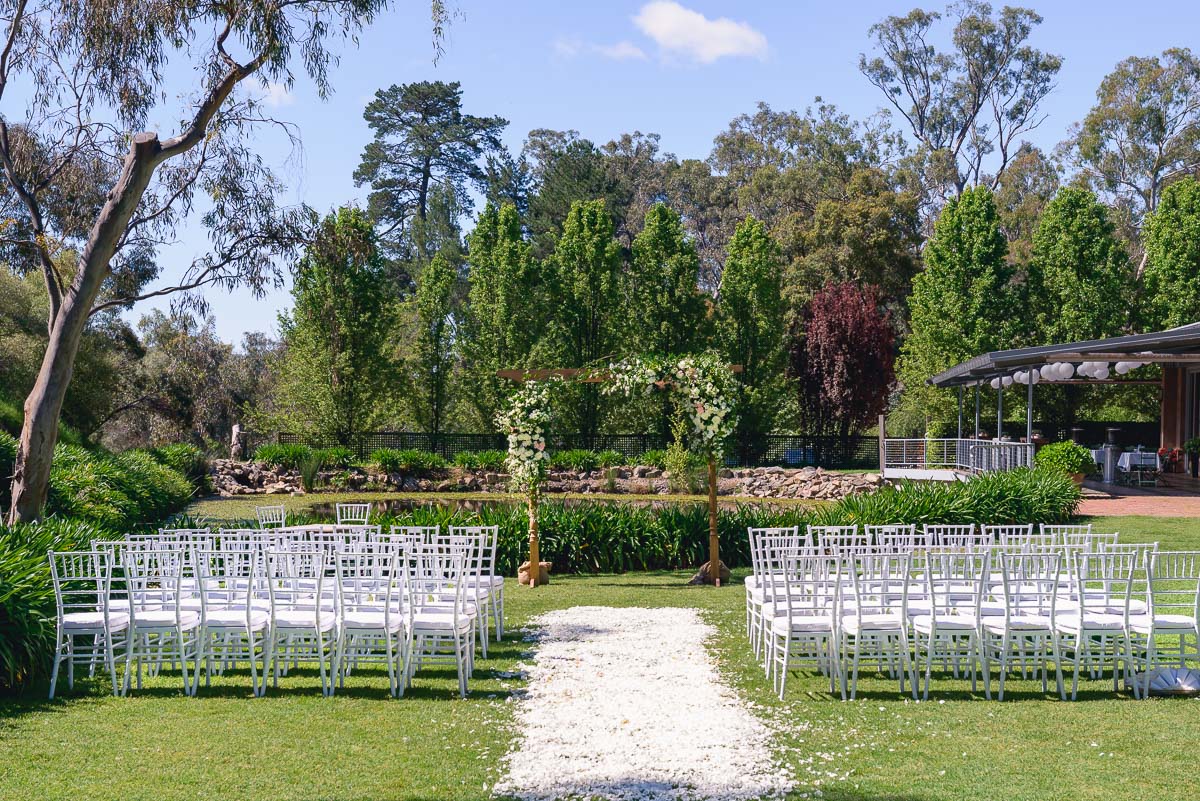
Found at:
[407, 460]
[285, 455]
[188, 460]
[480, 460]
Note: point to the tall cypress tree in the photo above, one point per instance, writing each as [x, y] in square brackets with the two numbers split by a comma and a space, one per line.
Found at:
[1172, 276]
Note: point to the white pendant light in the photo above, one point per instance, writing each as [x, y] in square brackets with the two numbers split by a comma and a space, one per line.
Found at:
[1006, 381]
[1065, 370]
[1122, 368]
[995, 382]
[1048, 372]
[1101, 372]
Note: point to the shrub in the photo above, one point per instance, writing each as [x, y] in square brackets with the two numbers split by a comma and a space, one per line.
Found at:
[408, 460]
[336, 456]
[653, 458]
[607, 459]
[1069, 457]
[574, 459]
[682, 465]
[186, 459]
[122, 491]
[310, 468]
[8, 459]
[286, 455]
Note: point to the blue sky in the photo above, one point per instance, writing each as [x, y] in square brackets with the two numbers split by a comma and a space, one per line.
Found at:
[682, 70]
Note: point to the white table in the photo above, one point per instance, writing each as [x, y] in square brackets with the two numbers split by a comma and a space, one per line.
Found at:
[1131, 460]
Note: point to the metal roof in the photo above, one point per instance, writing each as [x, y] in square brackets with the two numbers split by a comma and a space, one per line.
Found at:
[1182, 340]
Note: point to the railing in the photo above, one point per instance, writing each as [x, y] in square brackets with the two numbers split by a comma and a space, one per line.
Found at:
[963, 455]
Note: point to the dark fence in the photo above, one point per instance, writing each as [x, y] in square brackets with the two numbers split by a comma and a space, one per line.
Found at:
[789, 450]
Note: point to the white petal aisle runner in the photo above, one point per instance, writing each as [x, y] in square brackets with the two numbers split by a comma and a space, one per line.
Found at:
[627, 704]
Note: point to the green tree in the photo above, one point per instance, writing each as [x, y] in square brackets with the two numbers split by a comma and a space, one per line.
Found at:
[1144, 131]
[82, 170]
[586, 302]
[422, 139]
[750, 320]
[566, 170]
[1028, 184]
[503, 318]
[1080, 280]
[970, 105]
[964, 303]
[431, 368]
[335, 375]
[1172, 275]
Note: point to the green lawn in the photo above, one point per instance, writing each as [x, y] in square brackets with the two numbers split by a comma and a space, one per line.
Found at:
[294, 744]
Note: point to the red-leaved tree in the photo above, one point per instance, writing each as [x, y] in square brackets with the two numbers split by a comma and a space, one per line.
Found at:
[842, 359]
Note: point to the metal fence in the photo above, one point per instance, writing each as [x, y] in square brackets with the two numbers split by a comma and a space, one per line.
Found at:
[963, 455]
[788, 450]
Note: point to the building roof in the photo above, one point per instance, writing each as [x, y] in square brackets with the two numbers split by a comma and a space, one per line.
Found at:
[1175, 341]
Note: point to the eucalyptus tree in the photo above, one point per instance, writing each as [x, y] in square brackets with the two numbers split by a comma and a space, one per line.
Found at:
[970, 105]
[81, 172]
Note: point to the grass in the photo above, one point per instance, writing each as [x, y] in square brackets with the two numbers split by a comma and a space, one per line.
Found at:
[216, 510]
[294, 744]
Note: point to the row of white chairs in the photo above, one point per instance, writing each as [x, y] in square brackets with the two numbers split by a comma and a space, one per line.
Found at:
[344, 513]
[1029, 606]
[896, 538]
[184, 597]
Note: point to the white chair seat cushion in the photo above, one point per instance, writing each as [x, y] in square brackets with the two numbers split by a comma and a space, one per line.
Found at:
[1141, 623]
[884, 621]
[995, 625]
[374, 621]
[1090, 621]
[924, 623]
[165, 619]
[237, 619]
[94, 621]
[303, 619]
[802, 624]
[434, 619]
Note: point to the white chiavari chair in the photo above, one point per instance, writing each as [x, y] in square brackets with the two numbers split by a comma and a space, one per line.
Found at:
[489, 586]
[352, 513]
[1063, 531]
[271, 516]
[441, 624]
[800, 591]
[88, 628]
[1008, 534]
[754, 582]
[235, 614]
[1025, 630]
[303, 611]
[872, 617]
[955, 585]
[940, 534]
[1089, 629]
[162, 628]
[371, 614]
[1161, 633]
[895, 538]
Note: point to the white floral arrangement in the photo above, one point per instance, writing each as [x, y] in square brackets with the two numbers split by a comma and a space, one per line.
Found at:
[703, 387]
[525, 421]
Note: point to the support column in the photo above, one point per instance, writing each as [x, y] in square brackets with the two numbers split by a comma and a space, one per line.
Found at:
[960, 394]
[999, 412]
[977, 394]
[1029, 415]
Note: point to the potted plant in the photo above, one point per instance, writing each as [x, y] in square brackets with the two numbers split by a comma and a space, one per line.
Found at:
[1192, 449]
[1069, 457]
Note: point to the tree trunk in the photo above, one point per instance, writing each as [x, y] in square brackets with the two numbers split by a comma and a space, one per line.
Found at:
[39, 432]
[714, 555]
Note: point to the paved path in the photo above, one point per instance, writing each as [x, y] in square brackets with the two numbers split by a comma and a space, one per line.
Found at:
[1152, 505]
[627, 704]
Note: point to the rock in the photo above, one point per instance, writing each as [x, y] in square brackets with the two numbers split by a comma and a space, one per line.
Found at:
[653, 472]
[543, 573]
[445, 486]
[702, 576]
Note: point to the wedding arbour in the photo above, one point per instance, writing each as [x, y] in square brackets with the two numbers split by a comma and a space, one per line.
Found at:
[702, 387]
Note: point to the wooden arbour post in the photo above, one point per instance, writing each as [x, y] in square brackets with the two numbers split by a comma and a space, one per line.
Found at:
[585, 375]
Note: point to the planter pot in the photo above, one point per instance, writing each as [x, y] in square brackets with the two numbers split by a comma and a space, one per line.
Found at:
[543, 573]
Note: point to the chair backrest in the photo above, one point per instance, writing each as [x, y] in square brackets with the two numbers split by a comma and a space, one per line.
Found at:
[896, 537]
[351, 513]
[956, 581]
[82, 581]
[229, 579]
[486, 538]
[155, 578]
[841, 542]
[1063, 531]
[437, 572]
[877, 584]
[1106, 582]
[417, 533]
[1030, 583]
[1174, 582]
[271, 516]
[788, 535]
[297, 579]
[1008, 534]
[796, 580]
[369, 581]
[951, 535]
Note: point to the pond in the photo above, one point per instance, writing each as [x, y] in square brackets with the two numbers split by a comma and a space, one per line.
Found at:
[400, 506]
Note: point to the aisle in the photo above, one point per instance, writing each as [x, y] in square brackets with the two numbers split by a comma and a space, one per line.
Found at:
[627, 704]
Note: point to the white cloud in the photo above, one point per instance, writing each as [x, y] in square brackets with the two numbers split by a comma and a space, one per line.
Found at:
[276, 95]
[682, 31]
[623, 50]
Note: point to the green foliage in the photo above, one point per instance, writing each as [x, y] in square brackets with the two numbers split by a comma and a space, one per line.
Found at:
[750, 330]
[1015, 496]
[408, 460]
[121, 491]
[1080, 276]
[606, 459]
[1192, 446]
[333, 377]
[430, 371]
[287, 455]
[8, 458]
[1068, 457]
[962, 304]
[683, 465]
[653, 458]
[335, 456]
[577, 459]
[480, 460]
[186, 459]
[668, 312]
[310, 467]
[1172, 277]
